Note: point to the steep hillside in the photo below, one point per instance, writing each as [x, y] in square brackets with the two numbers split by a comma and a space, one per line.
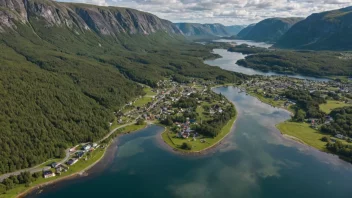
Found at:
[330, 30]
[78, 17]
[234, 29]
[197, 29]
[65, 68]
[245, 31]
[270, 30]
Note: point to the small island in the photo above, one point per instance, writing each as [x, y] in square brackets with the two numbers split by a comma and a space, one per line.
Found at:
[198, 119]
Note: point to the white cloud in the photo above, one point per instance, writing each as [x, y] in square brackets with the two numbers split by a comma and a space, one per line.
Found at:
[225, 11]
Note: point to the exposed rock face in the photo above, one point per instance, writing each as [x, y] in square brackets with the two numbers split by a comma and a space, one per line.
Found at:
[197, 29]
[270, 30]
[329, 30]
[103, 20]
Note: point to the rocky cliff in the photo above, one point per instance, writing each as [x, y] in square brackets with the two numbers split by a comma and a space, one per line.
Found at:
[329, 30]
[270, 30]
[81, 17]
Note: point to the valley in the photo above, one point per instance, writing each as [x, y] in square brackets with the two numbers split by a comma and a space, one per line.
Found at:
[94, 96]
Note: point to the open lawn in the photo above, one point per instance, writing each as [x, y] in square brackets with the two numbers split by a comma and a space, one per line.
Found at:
[304, 133]
[271, 101]
[175, 142]
[331, 105]
[142, 101]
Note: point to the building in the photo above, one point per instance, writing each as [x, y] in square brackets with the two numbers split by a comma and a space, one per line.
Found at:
[54, 165]
[72, 161]
[86, 147]
[48, 174]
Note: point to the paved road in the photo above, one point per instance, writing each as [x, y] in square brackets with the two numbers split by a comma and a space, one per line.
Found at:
[39, 167]
[35, 169]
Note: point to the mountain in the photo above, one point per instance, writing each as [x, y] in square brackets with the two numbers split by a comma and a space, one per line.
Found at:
[270, 30]
[198, 30]
[66, 68]
[234, 29]
[329, 30]
[245, 31]
[81, 17]
[202, 30]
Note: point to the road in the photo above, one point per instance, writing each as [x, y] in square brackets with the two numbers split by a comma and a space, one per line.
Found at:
[35, 169]
[40, 167]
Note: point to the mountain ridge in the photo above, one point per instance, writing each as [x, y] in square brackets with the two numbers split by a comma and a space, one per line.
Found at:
[109, 21]
[269, 30]
[328, 30]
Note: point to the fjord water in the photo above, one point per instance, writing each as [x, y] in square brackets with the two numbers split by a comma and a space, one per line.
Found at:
[253, 161]
[228, 61]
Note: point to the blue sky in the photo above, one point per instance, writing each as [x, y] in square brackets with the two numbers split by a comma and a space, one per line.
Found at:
[228, 12]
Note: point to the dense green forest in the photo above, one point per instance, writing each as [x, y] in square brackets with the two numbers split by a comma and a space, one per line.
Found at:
[309, 63]
[59, 88]
[342, 123]
[307, 104]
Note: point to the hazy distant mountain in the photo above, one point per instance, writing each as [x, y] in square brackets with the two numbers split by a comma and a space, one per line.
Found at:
[234, 29]
[245, 31]
[331, 30]
[270, 30]
[197, 29]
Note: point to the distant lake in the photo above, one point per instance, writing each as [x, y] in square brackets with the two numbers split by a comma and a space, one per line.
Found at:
[229, 60]
[254, 161]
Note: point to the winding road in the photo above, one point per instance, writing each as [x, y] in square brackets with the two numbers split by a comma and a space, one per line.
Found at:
[40, 167]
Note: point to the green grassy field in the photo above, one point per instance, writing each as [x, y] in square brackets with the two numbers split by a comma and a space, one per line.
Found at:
[270, 101]
[304, 133]
[175, 142]
[142, 101]
[331, 105]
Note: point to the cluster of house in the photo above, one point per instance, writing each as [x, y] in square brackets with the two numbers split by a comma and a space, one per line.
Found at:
[59, 168]
[185, 130]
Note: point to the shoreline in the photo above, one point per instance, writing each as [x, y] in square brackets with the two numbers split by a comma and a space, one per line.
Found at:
[205, 150]
[76, 174]
[200, 152]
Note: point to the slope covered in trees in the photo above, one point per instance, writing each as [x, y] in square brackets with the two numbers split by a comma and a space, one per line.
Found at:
[60, 85]
[330, 30]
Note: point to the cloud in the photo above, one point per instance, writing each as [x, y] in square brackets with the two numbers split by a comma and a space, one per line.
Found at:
[225, 11]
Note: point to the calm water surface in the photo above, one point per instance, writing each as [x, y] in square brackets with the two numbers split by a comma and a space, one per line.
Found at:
[253, 161]
[229, 60]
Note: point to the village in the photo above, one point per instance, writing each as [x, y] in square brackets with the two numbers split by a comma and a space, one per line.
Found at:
[79, 152]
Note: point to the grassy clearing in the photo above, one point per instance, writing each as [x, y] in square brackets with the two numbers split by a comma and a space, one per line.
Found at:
[304, 133]
[142, 101]
[132, 128]
[272, 102]
[149, 92]
[76, 168]
[175, 142]
[331, 105]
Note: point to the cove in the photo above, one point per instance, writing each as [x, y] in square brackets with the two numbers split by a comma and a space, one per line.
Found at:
[228, 61]
[253, 161]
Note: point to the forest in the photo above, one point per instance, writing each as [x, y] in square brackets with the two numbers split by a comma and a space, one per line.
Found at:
[310, 63]
[342, 123]
[58, 88]
[307, 104]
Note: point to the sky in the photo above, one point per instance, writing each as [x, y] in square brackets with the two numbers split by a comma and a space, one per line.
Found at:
[227, 12]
